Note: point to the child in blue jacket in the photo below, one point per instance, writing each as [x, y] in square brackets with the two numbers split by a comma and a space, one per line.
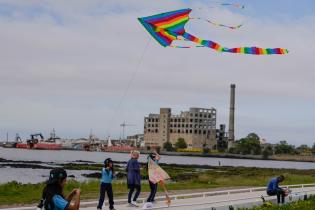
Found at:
[106, 184]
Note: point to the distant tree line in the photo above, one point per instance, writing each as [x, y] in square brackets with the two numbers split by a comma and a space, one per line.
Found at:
[250, 145]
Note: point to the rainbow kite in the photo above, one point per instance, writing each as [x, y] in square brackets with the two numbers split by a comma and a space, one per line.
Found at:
[169, 26]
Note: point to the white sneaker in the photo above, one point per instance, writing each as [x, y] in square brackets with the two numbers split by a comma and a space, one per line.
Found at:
[147, 205]
[134, 203]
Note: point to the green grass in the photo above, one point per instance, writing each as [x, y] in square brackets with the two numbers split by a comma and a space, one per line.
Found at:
[299, 205]
[183, 178]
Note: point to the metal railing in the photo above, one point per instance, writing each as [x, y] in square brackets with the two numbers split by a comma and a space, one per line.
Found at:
[229, 201]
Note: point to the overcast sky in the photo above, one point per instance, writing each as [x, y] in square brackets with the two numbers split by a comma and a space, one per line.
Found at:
[67, 64]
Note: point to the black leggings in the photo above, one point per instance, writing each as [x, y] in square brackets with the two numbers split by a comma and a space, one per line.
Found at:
[106, 187]
[131, 190]
[279, 192]
[153, 188]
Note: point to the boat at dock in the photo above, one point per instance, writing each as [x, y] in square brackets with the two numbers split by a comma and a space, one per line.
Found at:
[37, 141]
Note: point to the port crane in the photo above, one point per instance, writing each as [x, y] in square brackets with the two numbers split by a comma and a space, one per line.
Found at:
[123, 125]
[34, 139]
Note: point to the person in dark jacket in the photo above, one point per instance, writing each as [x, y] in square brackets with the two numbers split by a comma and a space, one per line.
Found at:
[106, 184]
[274, 189]
[133, 178]
[153, 186]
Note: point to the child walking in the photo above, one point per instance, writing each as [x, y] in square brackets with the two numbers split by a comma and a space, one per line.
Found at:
[133, 178]
[106, 184]
[153, 186]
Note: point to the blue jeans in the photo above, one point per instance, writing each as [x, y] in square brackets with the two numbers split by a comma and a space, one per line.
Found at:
[279, 193]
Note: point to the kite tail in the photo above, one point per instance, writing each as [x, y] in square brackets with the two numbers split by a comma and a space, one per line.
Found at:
[217, 24]
[242, 50]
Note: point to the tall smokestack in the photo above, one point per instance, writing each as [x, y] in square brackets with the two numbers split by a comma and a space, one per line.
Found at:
[231, 120]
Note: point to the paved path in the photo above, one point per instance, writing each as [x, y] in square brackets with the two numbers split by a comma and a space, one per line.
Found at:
[221, 201]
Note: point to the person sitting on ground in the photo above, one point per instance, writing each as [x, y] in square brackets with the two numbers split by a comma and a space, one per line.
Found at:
[133, 178]
[153, 186]
[274, 189]
[53, 197]
[106, 184]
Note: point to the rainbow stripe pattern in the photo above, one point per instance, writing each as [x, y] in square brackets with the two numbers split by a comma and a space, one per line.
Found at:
[170, 26]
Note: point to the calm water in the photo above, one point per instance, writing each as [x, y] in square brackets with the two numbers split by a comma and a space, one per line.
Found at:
[28, 175]
[71, 156]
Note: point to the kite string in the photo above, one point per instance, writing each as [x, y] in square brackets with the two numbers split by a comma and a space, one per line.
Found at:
[133, 76]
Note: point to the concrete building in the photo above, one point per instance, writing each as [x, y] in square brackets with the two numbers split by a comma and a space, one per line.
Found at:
[197, 126]
[136, 140]
[222, 138]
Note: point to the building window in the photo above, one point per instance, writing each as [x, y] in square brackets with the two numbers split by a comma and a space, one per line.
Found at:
[178, 130]
[175, 120]
[171, 130]
[191, 120]
[156, 130]
[186, 131]
[199, 131]
[195, 131]
[190, 131]
[204, 132]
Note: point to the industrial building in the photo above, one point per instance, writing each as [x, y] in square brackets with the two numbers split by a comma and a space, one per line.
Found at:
[197, 126]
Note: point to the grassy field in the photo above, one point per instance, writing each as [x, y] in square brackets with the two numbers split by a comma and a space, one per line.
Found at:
[299, 205]
[183, 178]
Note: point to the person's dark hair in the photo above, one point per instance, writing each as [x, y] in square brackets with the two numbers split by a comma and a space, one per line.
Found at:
[152, 157]
[106, 164]
[281, 178]
[53, 187]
